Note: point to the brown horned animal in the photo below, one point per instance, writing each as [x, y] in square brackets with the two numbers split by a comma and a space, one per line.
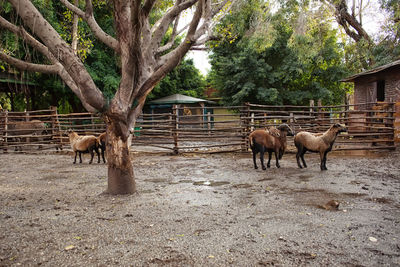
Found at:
[317, 142]
[102, 142]
[271, 140]
[84, 144]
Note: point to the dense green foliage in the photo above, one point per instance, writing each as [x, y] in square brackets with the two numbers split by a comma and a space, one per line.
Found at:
[290, 65]
[184, 79]
[388, 48]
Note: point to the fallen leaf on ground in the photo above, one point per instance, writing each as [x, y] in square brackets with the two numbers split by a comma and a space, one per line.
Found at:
[70, 247]
[373, 239]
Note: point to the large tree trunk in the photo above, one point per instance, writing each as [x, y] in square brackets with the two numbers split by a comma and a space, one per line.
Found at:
[120, 171]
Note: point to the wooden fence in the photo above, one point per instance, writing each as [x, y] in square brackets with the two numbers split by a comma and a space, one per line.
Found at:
[370, 125]
[217, 129]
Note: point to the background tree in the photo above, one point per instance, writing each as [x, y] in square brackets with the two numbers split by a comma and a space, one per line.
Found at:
[296, 58]
[364, 51]
[185, 79]
[388, 47]
[142, 60]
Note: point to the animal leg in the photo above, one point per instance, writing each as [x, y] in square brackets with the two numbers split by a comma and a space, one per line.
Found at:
[323, 161]
[302, 157]
[102, 154]
[262, 150]
[325, 157]
[254, 159]
[299, 149]
[98, 154]
[269, 159]
[277, 159]
[76, 154]
[91, 155]
[80, 157]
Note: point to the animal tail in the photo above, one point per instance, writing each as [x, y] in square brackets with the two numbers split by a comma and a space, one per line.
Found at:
[97, 142]
[251, 141]
[296, 141]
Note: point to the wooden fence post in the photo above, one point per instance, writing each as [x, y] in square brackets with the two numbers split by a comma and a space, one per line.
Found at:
[27, 139]
[319, 109]
[209, 122]
[203, 112]
[92, 123]
[56, 128]
[396, 122]
[311, 107]
[5, 131]
[291, 121]
[176, 127]
[346, 108]
[245, 127]
[252, 122]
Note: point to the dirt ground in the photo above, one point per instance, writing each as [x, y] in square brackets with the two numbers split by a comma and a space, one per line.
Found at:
[200, 210]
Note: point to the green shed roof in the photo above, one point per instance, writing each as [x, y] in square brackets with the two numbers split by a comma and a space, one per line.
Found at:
[178, 99]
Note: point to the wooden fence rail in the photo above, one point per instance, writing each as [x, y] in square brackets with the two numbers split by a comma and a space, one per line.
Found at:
[220, 129]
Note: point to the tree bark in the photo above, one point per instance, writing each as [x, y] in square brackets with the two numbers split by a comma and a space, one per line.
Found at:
[74, 43]
[120, 171]
[346, 20]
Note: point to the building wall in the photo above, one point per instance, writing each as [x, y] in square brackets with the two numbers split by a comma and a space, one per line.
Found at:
[361, 90]
[365, 91]
[365, 86]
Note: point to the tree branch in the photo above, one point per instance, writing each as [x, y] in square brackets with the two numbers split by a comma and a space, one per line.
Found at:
[61, 51]
[167, 63]
[27, 66]
[48, 69]
[90, 20]
[199, 48]
[56, 68]
[21, 32]
[148, 5]
[172, 39]
[75, 89]
[207, 25]
[75, 20]
[345, 19]
[159, 29]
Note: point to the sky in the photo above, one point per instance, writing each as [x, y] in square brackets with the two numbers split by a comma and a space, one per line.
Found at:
[372, 19]
[200, 59]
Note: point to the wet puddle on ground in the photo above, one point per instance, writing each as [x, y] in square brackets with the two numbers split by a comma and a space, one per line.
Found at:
[156, 180]
[185, 181]
[242, 185]
[305, 178]
[211, 183]
[265, 179]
